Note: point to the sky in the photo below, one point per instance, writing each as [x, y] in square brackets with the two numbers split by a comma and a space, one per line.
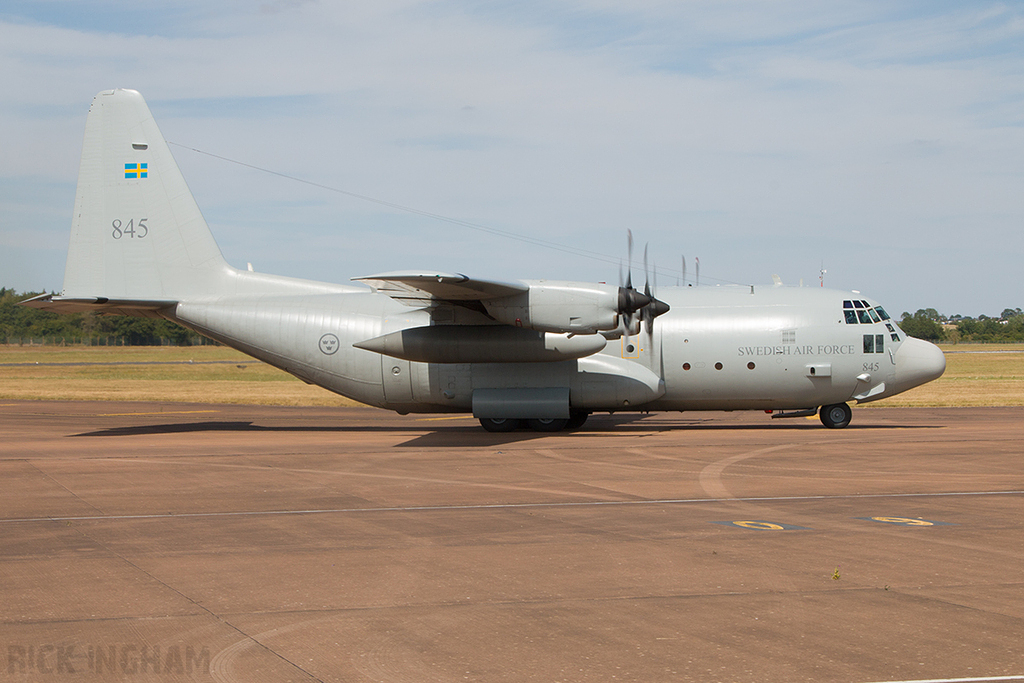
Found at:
[880, 141]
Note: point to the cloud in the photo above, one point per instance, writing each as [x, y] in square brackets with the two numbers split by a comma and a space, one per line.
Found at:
[764, 137]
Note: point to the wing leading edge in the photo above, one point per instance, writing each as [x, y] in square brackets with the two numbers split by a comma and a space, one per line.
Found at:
[430, 289]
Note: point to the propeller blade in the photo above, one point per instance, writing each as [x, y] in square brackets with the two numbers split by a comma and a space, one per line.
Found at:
[629, 262]
[647, 276]
[650, 307]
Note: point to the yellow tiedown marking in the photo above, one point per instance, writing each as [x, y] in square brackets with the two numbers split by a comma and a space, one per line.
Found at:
[434, 419]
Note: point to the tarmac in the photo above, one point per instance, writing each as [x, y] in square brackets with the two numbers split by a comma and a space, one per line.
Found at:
[156, 542]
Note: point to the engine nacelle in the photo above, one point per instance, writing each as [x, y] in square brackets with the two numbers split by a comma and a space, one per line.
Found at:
[558, 306]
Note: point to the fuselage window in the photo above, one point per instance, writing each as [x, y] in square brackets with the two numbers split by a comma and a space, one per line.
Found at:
[875, 343]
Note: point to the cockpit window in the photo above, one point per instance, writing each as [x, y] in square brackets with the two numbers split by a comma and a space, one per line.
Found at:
[856, 311]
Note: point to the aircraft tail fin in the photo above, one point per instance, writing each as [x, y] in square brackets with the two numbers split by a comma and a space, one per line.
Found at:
[137, 233]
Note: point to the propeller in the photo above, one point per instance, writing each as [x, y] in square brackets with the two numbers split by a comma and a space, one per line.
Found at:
[633, 305]
[630, 300]
[654, 307]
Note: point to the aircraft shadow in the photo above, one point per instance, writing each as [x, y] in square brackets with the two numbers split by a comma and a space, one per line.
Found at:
[467, 436]
[239, 426]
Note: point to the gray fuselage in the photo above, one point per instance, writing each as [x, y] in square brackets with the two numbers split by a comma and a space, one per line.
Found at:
[718, 348]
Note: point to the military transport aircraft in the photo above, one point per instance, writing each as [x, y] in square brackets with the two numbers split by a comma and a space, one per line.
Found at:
[538, 353]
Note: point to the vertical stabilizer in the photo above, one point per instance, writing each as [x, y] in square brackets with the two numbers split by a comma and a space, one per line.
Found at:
[137, 232]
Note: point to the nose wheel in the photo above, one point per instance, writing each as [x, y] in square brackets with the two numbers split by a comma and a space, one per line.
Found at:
[835, 416]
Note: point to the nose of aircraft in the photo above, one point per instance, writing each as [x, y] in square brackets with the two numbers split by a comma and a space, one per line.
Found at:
[917, 362]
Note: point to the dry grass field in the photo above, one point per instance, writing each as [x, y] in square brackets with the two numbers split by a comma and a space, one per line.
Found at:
[181, 374]
[976, 375]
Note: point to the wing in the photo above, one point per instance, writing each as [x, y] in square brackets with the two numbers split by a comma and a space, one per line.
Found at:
[430, 289]
[544, 305]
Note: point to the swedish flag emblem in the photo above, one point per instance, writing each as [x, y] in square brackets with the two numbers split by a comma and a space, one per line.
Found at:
[136, 170]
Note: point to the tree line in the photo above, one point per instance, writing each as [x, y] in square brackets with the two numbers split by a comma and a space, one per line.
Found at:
[21, 324]
[927, 323]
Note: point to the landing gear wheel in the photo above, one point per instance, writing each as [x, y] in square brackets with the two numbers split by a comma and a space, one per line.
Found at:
[835, 416]
[576, 419]
[546, 425]
[496, 424]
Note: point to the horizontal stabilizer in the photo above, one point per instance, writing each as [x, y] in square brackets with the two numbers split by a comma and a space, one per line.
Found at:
[64, 304]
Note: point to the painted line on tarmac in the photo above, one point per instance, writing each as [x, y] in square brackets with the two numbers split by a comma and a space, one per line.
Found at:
[995, 351]
[164, 412]
[504, 506]
[980, 679]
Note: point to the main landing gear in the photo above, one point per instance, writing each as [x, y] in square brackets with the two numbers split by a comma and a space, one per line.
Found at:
[575, 421]
[499, 424]
[835, 416]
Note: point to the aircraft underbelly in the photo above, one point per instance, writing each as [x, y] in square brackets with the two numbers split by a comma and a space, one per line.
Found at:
[309, 337]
